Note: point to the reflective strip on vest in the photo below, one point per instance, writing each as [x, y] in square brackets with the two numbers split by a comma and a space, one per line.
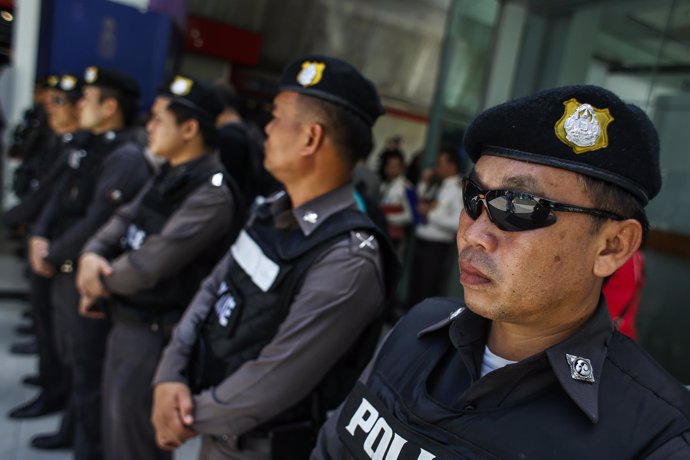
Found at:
[260, 268]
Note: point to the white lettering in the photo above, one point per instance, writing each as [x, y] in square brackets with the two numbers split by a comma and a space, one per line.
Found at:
[390, 444]
[396, 447]
[364, 417]
[386, 433]
[424, 455]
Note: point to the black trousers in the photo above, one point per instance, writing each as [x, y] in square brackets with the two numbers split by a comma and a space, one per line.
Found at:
[131, 359]
[83, 341]
[431, 265]
[53, 374]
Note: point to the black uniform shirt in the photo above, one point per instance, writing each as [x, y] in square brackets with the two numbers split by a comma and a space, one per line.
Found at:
[454, 382]
[120, 176]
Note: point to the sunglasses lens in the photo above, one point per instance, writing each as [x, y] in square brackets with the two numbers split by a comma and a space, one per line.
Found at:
[514, 212]
[510, 211]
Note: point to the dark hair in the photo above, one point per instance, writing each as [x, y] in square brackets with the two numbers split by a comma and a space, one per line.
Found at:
[228, 97]
[610, 197]
[350, 134]
[397, 154]
[207, 128]
[451, 153]
[129, 106]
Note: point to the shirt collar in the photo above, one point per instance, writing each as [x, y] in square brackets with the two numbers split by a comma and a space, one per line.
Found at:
[312, 213]
[590, 343]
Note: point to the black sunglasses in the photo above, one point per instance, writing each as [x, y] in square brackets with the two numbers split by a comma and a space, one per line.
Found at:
[513, 211]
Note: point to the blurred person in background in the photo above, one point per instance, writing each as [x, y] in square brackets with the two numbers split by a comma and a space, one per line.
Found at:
[105, 174]
[435, 235]
[53, 377]
[394, 202]
[149, 259]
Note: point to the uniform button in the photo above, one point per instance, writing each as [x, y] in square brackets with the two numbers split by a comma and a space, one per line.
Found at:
[154, 327]
[469, 407]
[225, 437]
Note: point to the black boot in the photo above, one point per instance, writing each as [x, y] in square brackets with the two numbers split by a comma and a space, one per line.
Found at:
[37, 407]
[32, 380]
[62, 439]
[24, 348]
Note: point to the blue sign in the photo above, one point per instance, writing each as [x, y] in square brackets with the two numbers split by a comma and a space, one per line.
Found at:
[108, 34]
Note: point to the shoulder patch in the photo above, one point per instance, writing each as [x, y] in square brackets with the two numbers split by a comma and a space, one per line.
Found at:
[362, 240]
[217, 179]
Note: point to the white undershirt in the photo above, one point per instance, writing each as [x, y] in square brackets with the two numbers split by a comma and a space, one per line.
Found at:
[491, 362]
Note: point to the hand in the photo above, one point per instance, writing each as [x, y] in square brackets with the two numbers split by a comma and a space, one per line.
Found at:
[423, 208]
[427, 175]
[91, 268]
[172, 415]
[88, 308]
[38, 250]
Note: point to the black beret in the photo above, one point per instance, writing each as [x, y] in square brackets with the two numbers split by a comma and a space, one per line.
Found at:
[585, 129]
[70, 84]
[197, 95]
[111, 78]
[335, 81]
[52, 81]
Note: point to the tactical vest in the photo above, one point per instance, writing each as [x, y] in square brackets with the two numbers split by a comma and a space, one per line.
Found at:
[82, 176]
[254, 300]
[393, 417]
[159, 203]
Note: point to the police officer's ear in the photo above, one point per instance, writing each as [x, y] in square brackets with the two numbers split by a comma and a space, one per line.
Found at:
[315, 135]
[110, 107]
[190, 128]
[617, 241]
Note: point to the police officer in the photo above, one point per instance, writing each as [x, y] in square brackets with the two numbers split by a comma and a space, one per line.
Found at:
[152, 255]
[63, 116]
[241, 149]
[108, 172]
[279, 322]
[530, 365]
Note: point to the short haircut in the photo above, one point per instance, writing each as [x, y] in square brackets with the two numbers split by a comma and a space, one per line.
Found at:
[350, 134]
[129, 105]
[612, 198]
[451, 153]
[228, 97]
[207, 128]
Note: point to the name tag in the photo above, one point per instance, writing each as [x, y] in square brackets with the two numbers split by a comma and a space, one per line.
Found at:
[260, 268]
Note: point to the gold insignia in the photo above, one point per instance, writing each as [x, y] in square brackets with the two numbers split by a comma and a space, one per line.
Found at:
[311, 73]
[181, 86]
[68, 83]
[91, 74]
[583, 127]
[53, 80]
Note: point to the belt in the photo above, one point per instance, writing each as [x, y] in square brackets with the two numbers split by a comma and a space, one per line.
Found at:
[253, 443]
[154, 320]
[67, 266]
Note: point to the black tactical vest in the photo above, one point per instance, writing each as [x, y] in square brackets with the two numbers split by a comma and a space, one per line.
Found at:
[248, 312]
[392, 415]
[169, 190]
[82, 176]
[41, 188]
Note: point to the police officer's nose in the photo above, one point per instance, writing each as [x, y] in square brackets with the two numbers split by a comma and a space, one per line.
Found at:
[477, 232]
